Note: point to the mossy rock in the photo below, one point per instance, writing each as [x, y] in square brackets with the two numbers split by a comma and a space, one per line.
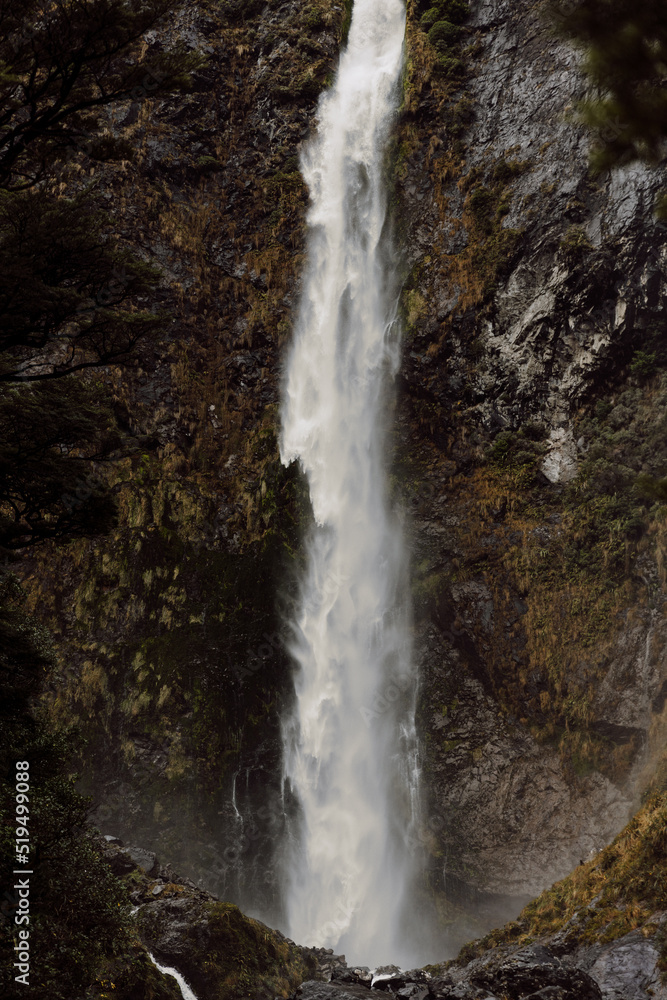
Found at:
[138, 979]
[450, 66]
[223, 953]
[615, 893]
[314, 19]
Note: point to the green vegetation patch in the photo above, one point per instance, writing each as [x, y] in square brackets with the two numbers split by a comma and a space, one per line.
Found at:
[574, 245]
[453, 11]
[569, 552]
[616, 892]
[494, 245]
[232, 956]
[79, 911]
[442, 22]
[235, 11]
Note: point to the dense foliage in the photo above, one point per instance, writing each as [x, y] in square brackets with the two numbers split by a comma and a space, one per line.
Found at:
[48, 488]
[78, 909]
[625, 42]
[69, 296]
[66, 289]
[61, 62]
[442, 20]
[69, 292]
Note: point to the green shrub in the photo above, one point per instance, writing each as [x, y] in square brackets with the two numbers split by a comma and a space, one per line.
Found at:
[643, 363]
[505, 170]
[454, 11]
[574, 244]
[429, 18]
[500, 448]
[314, 19]
[443, 35]
[649, 488]
[523, 448]
[208, 164]
[291, 165]
[450, 66]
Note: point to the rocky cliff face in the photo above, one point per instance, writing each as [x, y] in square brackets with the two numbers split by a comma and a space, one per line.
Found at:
[531, 387]
[171, 656]
[220, 952]
[529, 454]
[597, 935]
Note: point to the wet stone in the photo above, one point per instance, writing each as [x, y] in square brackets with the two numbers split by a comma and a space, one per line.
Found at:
[312, 990]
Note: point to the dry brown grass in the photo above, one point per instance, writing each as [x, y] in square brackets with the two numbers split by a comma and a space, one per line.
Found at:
[616, 892]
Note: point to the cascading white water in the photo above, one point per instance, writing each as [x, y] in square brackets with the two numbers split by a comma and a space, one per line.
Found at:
[350, 746]
[186, 992]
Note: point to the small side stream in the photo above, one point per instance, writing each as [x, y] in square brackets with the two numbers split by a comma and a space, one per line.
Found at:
[186, 992]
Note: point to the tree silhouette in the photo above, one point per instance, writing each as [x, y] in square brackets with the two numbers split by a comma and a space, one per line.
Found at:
[625, 42]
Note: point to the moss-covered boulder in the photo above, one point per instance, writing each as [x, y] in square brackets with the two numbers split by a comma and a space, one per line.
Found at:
[222, 953]
[135, 977]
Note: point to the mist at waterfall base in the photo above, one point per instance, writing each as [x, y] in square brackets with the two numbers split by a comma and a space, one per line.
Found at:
[350, 747]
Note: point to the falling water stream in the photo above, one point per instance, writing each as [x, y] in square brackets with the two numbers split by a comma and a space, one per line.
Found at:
[186, 992]
[349, 743]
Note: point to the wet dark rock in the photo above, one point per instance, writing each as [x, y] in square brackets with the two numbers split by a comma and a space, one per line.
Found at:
[551, 331]
[392, 984]
[313, 990]
[119, 862]
[628, 968]
[173, 926]
[146, 860]
[535, 969]
[181, 924]
[533, 972]
[359, 976]
[113, 840]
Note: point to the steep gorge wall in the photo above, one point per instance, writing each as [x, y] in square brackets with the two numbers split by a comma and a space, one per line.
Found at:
[533, 299]
[168, 630]
[531, 442]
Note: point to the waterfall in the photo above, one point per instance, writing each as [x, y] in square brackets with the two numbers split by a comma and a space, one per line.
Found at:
[349, 743]
[186, 992]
